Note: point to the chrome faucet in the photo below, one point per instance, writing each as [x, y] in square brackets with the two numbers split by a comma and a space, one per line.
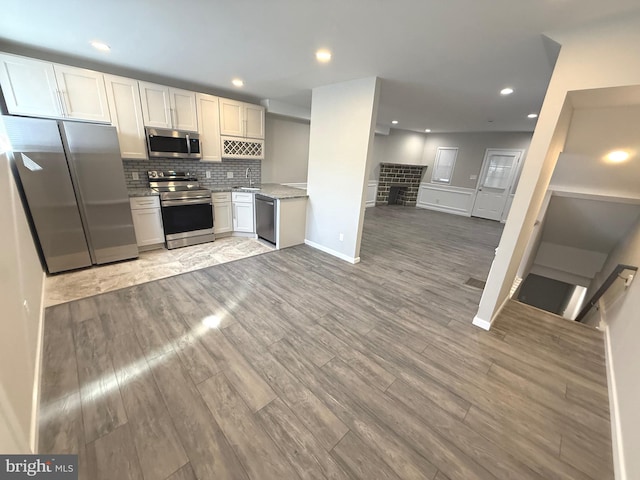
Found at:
[247, 174]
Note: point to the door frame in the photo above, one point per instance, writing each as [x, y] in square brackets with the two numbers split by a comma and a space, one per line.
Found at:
[514, 175]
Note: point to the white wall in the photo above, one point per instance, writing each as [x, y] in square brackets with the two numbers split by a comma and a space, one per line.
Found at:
[619, 313]
[287, 150]
[343, 118]
[21, 289]
[406, 147]
[576, 261]
[400, 146]
[594, 132]
[471, 150]
[600, 56]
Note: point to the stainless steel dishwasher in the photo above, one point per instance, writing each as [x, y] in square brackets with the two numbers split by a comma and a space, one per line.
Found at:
[266, 218]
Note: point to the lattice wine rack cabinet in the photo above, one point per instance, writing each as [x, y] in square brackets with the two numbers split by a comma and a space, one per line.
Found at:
[233, 147]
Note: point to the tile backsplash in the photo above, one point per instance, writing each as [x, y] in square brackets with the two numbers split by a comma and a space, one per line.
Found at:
[199, 169]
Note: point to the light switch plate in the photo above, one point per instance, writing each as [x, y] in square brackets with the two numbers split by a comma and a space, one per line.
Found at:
[135, 176]
[229, 174]
[473, 177]
[207, 174]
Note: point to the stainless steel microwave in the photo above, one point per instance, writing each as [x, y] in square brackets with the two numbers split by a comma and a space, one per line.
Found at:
[173, 143]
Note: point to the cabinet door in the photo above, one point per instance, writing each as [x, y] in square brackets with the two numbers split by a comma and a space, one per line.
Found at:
[183, 110]
[156, 105]
[29, 87]
[83, 94]
[147, 223]
[231, 117]
[243, 217]
[254, 121]
[126, 115]
[209, 127]
[223, 221]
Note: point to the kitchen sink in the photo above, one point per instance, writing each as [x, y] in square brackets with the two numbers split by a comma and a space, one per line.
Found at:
[252, 189]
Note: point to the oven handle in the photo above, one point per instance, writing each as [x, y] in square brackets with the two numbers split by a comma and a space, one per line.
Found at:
[188, 201]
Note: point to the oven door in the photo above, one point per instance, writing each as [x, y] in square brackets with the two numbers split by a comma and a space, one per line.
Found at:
[187, 218]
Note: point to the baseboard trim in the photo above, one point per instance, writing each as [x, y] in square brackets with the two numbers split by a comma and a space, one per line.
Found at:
[330, 251]
[486, 324]
[616, 429]
[482, 323]
[37, 379]
[437, 208]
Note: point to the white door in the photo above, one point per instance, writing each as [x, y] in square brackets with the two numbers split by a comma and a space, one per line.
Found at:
[223, 221]
[29, 87]
[183, 110]
[497, 176]
[84, 96]
[209, 127]
[231, 117]
[254, 121]
[126, 116]
[147, 224]
[156, 105]
[243, 217]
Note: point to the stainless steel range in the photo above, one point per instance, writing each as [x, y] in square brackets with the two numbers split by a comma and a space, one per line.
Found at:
[187, 213]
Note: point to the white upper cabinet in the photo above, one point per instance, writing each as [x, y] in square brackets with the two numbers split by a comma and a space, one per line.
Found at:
[83, 94]
[183, 109]
[231, 118]
[126, 115]
[164, 107]
[239, 119]
[29, 87]
[254, 121]
[209, 127]
[42, 89]
[156, 105]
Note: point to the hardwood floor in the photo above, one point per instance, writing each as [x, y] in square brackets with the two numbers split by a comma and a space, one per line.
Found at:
[297, 365]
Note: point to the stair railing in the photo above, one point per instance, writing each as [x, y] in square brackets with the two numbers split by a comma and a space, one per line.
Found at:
[615, 275]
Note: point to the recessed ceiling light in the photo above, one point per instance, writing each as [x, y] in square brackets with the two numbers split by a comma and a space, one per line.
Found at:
[617, 156]
[395, 122]
[323, 56]
[532, 115]
[237, 82]
[103, 47]
[506, 91]
[427, 130]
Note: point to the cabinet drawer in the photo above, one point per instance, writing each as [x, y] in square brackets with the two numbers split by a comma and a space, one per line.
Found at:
[242, 197]
[221, 197]
[144, 202]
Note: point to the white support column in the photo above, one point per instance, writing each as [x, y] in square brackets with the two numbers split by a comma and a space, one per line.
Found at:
[343, 118]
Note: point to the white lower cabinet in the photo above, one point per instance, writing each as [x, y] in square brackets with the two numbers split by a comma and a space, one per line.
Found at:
[222, 213]
[147, 221]
[243, 216]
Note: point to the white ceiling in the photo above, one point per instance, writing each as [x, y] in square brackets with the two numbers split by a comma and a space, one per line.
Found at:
[588, 224]
[442, 62]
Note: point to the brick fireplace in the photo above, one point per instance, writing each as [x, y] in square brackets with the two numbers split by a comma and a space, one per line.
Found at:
[398, 184]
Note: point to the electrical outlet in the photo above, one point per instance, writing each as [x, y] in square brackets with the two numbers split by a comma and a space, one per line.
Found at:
[341, 237]
[229, 174]
[135, 176]
[207, 174]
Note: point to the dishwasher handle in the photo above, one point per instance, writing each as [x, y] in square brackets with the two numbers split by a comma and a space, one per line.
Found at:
[266, 200]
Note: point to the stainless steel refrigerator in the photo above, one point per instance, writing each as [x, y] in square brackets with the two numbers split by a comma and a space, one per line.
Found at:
[73, 180]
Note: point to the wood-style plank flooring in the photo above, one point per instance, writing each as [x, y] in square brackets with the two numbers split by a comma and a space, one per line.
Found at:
[297, 365]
